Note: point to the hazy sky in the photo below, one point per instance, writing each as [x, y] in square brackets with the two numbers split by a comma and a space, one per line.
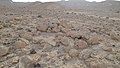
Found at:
[49, 0]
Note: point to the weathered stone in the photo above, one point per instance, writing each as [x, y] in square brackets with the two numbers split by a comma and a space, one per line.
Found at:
[55, 29]
[3, 50]
[65, 24]
[115, 35]
[36, 57]
[109, 49]
[80, 44]
[27, 35]
[110, 57]
[47, 47]
[1, 26]
[18, 18]
[118, 56]
[26, 62]
[75, 34]
[15, 60]
[94, 64]
[85, 54]
[64, 41]
[94, 40]
[42, 27]
[49, 40]
[99, 54]
[73, 52]
[21, 43]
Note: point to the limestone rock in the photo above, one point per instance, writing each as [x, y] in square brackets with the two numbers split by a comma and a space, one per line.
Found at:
[3, 50]
[115, 35]
[27, 35]
[99, 54]
[75, 34]
[64, 41]
[42, 27]
[73, 52]
[26, 62]
[80, 44]
[94, 40]
[21, 43]
[85, 54]
[40, 39]
[98, 64]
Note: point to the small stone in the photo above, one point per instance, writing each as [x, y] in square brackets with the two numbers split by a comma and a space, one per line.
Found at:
[80, 44]
[47, 47]
[118, 57]
[26, 62]
[55, 29]
[75, 34]
[27, 35]
[1, 26]
[20, 44]
[96, 65]
[42, 27]
[18, 18]
[99, 54]
[3, 50]
[65, 41]
[65, 24]
[85, 54]
[73, 52]
[110, 57]
[94, 40]
[15, 60]
[115, 35]
[109, 49]
[36, 57]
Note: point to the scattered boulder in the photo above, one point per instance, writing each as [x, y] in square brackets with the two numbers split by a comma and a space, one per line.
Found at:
[55, 29]
[99, 54]
[75, 34]
[3, 50]
[42, 27]
[41, 39]
[115, 35]
[18, 18]
[64, 41]
[95, 64]
[27, 35]
[84, 54]
[94, 40]
[21, 43]
[73, 52]
[26, 62]
[81, 44]
[110, 57]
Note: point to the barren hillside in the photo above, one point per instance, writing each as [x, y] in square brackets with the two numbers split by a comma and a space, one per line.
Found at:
[60, 34]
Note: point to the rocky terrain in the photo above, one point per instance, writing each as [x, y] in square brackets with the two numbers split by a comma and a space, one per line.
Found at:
[60, 35]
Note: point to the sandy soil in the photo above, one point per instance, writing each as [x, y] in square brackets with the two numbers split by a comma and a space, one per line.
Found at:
[60, 35]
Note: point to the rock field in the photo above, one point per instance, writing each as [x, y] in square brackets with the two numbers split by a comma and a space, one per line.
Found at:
[60, 35]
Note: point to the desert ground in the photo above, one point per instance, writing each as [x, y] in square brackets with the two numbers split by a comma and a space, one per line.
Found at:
[73, 34]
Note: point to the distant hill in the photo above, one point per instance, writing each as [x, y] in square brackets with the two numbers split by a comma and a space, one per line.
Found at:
[5, 1]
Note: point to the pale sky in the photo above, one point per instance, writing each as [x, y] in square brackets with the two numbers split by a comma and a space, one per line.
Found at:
[51, 0]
